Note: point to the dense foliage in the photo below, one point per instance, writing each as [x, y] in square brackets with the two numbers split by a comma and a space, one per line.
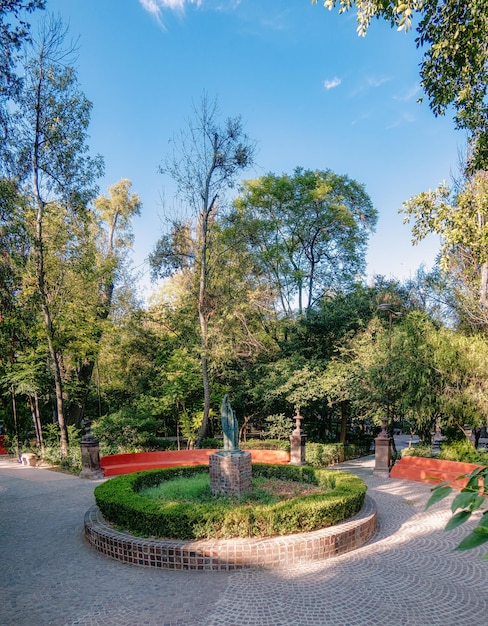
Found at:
[461, 451]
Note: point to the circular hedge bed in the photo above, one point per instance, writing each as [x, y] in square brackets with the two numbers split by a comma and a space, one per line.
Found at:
[122, 504]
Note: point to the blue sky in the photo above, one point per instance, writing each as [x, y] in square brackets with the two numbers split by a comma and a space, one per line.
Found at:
[309, 90]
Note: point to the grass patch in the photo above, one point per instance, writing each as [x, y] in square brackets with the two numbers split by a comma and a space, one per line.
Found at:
[197, 489]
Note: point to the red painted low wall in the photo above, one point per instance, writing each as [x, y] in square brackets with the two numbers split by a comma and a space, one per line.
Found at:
[117, 464]
[432, 471]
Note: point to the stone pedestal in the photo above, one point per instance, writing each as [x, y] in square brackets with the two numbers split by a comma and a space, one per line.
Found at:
[297, 443]
[230, 473]
[382, 456]
[90, 455]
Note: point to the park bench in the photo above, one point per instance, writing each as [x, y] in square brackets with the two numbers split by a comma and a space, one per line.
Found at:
[433, 471]
[126, 463]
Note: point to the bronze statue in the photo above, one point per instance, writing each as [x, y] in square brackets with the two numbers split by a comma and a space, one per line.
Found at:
[230, 427]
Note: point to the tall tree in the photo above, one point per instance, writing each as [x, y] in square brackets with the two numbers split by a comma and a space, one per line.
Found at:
[17, 320]
[110, 237]
[308, 233]
[207, 158]
[460, 217]
[14, 33]
[454, 70]
[50, 149]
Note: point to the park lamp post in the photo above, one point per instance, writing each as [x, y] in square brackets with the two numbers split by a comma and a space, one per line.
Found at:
[385, 306]
[382, 441]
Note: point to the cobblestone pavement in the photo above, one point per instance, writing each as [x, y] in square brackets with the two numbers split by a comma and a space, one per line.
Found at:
[408, 575]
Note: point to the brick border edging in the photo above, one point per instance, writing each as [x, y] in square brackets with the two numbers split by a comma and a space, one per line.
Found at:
[231, 554]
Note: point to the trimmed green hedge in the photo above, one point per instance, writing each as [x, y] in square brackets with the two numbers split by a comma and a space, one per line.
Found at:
[317, 454]
[324, 454]
[265, 444]
[122, 505]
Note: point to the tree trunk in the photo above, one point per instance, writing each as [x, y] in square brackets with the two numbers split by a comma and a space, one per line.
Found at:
[38, 419]
[208, 207]
[39, 250]
[35, 419]
[76, 410]
[202, 316]
[48, 323]
[483, 293]
[16, 426]
[344, 419]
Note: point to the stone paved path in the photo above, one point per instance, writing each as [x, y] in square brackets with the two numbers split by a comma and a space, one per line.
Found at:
[408, 575]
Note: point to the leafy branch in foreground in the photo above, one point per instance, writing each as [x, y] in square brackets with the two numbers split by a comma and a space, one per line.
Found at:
[470, 499]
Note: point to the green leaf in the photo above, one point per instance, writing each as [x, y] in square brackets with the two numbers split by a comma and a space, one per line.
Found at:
[485, 480]
[438, 494]
[477, 502]
[457, 520]
[474, 539]
[474, 480]
[462, 500]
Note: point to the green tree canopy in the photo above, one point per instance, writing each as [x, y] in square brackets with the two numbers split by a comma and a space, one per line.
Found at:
[460, 217]
[307, 232]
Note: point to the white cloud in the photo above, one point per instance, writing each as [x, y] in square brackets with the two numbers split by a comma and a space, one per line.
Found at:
[154, 7]
[405, 118]
[332, 84]
[370, 82]
[377, 81]
[408, 94]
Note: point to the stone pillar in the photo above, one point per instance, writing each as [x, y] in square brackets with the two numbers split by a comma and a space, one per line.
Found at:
[90, 454]
[230, 473]
[382, 453]
[297, 443]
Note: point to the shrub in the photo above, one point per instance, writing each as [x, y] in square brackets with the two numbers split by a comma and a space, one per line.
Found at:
[462, 451]
[212, 444]
[121, 503]
[128, 430]
[421, 450]
[279, 426]
[265, 444]
[325, 454]
[358, 449]
[161, 443]
[51, 452]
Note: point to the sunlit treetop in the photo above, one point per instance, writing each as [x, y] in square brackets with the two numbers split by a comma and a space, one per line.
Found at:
[398, 12]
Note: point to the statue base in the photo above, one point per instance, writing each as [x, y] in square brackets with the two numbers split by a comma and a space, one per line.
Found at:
[230, 473]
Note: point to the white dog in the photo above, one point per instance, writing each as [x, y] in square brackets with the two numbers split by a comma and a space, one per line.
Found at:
[28, 458]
